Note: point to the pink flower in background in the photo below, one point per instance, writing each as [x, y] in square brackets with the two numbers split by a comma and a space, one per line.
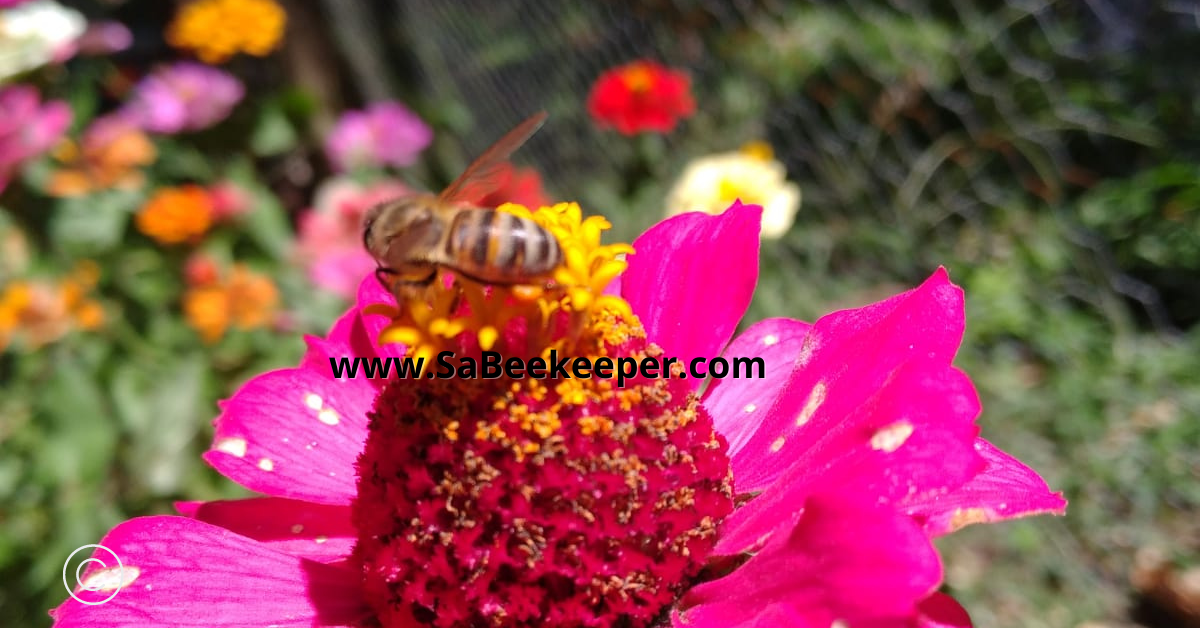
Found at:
[856, 449]
[229, 201]
[104, 37]
[28, 127]
[184, 96]
[330, 240]
[384, 134]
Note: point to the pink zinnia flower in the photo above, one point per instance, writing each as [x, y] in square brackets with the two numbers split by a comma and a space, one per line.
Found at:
[229, 200]
[384, 134]
[330, 241]
[184, 96]
[511, 502]
[28, 127]
[104, 37]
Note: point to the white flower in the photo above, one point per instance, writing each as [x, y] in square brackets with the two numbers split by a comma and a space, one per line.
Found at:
[712, 183]
[35, 33]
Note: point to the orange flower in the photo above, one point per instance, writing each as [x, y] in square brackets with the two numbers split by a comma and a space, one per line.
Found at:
[42, 312]
[216, 30]
[176, 215]
[247, 300]
[109, 156]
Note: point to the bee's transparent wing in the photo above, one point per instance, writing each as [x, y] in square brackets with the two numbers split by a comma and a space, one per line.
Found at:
[485, 174]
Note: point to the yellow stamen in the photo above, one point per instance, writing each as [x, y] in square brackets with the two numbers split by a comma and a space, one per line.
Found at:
[759, 150]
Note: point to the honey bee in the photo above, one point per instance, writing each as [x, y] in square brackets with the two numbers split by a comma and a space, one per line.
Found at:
[414, 236]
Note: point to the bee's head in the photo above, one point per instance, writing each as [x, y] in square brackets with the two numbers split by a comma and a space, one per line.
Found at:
[394, 218]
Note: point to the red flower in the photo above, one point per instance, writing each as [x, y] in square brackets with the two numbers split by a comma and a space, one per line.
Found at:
[641, 96]
[522, 186]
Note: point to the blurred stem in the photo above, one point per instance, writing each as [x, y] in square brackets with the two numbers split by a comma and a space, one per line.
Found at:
[133, 341]
[646, 163]
[311, 57]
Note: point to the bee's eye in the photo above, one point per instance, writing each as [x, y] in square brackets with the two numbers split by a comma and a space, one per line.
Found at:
[366, 232]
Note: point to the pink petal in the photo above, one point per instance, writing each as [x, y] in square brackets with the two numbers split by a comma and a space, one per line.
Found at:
[1005, 489]
[317, 532]
[845, 559]
[845, 359]
[692, 277]
[913, 436]
[294, 433]
[738, 405]
[180, 572]
[770, 616]
[936, 611]
[942, 611]
[614, 287]
[348, 338]
[370, 292]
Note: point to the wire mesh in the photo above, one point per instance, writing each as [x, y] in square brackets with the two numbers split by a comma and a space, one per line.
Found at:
[928, 116]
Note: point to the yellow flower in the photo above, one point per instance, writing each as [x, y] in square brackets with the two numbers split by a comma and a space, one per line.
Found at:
[216, 30]
[176, 215]
[247, 300]
[109, 156]
[42, 312]
[712, 183]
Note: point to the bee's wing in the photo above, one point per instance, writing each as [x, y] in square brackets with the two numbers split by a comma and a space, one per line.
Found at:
[483, 175]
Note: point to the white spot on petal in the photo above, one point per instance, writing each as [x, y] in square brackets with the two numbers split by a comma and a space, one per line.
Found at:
[890, 438]
[770, 339]
[110, 578]
[839, 623]
[328, 416]
[321, 539]
[750, 407]
[806, 350]
[266, 464]
[815, 399]
[777, 444]
[313, 400]
[297, 529]
[232, 446]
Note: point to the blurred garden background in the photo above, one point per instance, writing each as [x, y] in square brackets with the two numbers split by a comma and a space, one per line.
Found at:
[180, 185]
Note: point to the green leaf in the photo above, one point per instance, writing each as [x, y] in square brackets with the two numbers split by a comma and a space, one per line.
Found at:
[94, 223]
[273, 133]
[267, 224]
[161, 405]
[81, 435]
[144, 276]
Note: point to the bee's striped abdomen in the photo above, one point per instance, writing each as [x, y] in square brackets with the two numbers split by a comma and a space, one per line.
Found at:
[497, 247]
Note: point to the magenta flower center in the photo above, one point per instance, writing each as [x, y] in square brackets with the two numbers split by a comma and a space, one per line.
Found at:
[555, 502]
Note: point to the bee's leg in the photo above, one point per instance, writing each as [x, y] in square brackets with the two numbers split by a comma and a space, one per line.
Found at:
[386, 278]
[458, 298]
